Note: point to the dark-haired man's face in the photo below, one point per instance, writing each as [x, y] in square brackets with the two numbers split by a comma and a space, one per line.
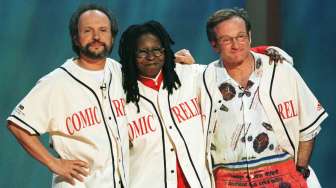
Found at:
[94, 35]
[233, 42]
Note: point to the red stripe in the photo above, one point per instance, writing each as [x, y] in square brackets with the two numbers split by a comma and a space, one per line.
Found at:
[149, 82]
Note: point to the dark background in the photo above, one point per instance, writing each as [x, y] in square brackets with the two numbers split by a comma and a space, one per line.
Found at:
[34, 40]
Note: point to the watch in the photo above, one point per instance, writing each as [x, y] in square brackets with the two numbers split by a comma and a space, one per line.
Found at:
[304, 171]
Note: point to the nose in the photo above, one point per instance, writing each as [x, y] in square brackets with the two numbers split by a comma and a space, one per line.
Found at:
[150, 56]
[234, 43]
[96, 35]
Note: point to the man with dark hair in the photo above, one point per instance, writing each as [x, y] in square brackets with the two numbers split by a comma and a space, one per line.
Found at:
[268, 117]
[166, 104]
[80, 105]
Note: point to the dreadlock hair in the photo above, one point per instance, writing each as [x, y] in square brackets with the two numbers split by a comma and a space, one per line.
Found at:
[127, 52]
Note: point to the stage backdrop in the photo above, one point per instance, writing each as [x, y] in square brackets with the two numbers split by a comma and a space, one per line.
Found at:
[309, 35]
[34, 40]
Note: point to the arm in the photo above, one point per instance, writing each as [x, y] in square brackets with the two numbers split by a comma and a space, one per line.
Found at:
[68, 169]
[304, 152]
[184, 57]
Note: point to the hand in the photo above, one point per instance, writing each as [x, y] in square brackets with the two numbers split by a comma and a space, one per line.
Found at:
[274, 56]
[70, 169]
[184, 57]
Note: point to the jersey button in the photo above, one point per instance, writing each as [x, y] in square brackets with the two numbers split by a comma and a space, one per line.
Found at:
[172, 171]
[171, 149]
[170, 127]
[110, 118]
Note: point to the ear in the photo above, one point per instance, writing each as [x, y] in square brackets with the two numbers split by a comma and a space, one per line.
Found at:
[250, 38]
[75, 39]
[214, 46]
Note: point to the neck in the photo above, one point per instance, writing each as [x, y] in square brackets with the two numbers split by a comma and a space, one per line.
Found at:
[241, 72]
[91, 64]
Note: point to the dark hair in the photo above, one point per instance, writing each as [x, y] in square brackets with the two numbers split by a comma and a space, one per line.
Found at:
[127, 52]
[73, 24]
[223, 15]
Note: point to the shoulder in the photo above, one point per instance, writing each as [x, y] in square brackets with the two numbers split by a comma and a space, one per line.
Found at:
[113, 64]
[212, 67]
[58, 76]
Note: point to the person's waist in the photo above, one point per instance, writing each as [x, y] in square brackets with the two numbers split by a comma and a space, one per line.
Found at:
[251, 163]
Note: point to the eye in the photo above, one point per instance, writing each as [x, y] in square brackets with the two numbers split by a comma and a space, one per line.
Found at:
[141, 53]
[86, 30]
[156, 50]
[103, 29]
[226, 40]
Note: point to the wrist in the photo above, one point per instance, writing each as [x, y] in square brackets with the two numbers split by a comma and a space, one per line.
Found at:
[304, 171]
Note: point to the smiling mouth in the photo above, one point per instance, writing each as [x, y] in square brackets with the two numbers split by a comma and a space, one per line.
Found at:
[151, 64]
[96, 44]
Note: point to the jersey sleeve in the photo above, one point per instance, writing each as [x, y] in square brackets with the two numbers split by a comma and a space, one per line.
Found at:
[33, 111]
[311, 112]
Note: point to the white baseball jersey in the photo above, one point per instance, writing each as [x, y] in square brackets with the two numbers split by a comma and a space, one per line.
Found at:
[252, 140]
[170, 126]
[85, 120]
[291, 108]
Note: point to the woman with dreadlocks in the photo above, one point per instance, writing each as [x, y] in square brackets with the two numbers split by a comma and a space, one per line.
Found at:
[168, 140]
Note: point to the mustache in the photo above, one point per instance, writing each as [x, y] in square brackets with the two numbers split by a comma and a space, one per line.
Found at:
[96, 41]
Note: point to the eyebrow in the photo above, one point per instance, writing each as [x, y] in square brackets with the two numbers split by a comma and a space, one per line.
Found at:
[158, 47]
[235, 36]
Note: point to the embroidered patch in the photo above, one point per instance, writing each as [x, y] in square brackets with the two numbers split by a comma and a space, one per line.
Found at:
[21, 107]
[260, 143]
[224, 108]
[249, 84]
[213, 147]
[227, 90]
[267, 126]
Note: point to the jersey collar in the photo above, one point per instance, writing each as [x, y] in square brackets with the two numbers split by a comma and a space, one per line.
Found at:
[154, 83]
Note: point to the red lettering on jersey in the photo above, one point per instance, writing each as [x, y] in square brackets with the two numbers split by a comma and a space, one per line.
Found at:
[319, 106]
[85, 117]
[286, 109]
[196, 105]
[119, 106]
[186, 110]
[82, 119]
[76, 124]
[67, 123]
[95, 109]
[281, 111]
[140, 127]
[177, 113]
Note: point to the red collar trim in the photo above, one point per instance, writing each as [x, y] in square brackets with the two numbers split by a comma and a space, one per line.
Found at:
[152, 83]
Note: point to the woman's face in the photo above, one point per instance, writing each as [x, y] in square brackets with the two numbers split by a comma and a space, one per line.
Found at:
[149, 55]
